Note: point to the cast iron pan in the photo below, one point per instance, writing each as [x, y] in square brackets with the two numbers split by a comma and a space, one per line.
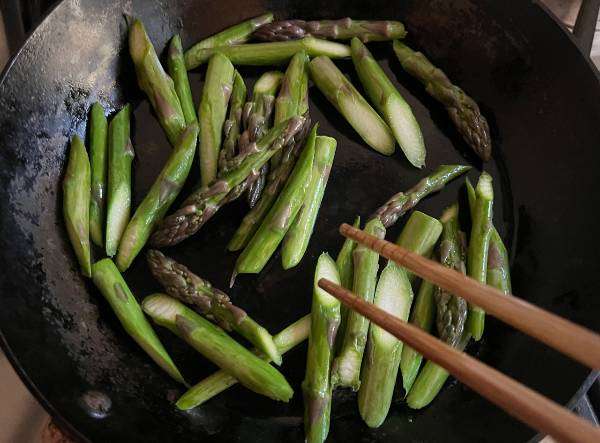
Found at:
[541, 97]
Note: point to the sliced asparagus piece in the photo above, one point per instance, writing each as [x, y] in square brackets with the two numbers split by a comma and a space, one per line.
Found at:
[99, 167]
[325, 319]
[234, 35]
[342, 29]
[214, 344]
[390, 104]
[212, 112]
[76, 203]
[120, 157]
[264, 54]
[159, 199]
[462, 109]
[232, 127]
[402, 202]
[183, 284]
[281, 215]
[380, 369]
[218, 382]
[109, 281]
[346, 366]
[178, 73]
[201, 205]
[479, 244]
[155, 82]
[347, 100]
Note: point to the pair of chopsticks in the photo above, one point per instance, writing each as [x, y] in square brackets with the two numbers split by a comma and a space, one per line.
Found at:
[516, 399]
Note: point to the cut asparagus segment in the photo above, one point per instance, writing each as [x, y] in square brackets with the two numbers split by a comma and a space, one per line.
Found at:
[159, 199]
[297, 238]
[183, 284]
[342, 29]
[479, 247]
[76, 203]
[109, 281]
[178, 73]
[120, 157]
[390, 104]
[264, 54]
[346, 366]
[212, 112]
[218, 382]
[347, 100]
[154, 81]
[214, 344]
[325, 319]
[232, 127]
[380, 369]
[99, 167]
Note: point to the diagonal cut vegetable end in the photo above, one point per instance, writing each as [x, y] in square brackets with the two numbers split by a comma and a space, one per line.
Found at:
[327, 269]
[406, 130]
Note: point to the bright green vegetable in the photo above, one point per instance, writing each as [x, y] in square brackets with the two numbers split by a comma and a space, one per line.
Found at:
[181, 81]
[99, 166]
[233, 125]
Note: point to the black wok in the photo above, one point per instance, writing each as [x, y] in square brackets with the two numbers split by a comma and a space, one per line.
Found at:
[540, 94]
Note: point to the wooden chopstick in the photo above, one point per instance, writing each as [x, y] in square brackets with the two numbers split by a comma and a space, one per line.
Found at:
[573, 340]
[516, 399]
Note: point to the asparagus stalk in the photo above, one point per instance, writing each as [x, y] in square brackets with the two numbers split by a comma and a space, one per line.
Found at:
[462, 109]
[76, 203]
[233, 125]
[347, 100]
[183, 284]
[380, 369]
[178, 73]
[297, 238]
[280, 217]
[99, 166]
[212, 112]
[346, 366]
[479, 247]
[120, 157]
[159, 199]
[110, 282]
[218, 382]
[342, 29]
[402, 202]
[234, 35]
[201, 205]
[155, 82]
[390, 104]
[264, 54]
[325, 319]
[214, 344]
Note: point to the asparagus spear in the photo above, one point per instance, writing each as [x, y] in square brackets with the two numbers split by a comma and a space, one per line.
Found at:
[401, 202]
[347, 100]
[234, 35]
[159, 199]
[178, 73]
[380, 369]
[214, 344]
[297, 238]
[202, 204]
[212, 112]
[76, 203]
[218, 382]
[120, 157]
[390, 104]
[264, 54]
[280, 217]
[155, 82]
[233, 125]
[99, 166]
[183, 284]
[109, 281]
[346, 366]
[479, 248]
[325, 319]
[462, 109]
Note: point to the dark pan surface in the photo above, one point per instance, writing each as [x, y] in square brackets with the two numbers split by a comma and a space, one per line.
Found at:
[542, 99]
